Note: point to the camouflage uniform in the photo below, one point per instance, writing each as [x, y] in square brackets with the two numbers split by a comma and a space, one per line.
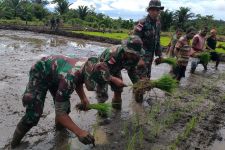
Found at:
[182, 49]
[114, 58]
[60, 75]
[149, 31]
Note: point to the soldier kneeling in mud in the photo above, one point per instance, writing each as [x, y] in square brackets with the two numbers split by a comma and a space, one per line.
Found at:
[60, 75]
[124, 56]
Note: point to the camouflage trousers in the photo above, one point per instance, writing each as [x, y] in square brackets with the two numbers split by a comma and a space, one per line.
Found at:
[35, 93]
[145, 71]
[102, 89]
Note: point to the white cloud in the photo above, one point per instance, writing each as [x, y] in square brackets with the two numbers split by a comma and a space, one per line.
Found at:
[138, 7]
[82, 3]
[131, 5]
[104, 7]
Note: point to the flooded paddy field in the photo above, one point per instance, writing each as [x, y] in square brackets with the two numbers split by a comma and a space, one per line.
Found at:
[191, 118]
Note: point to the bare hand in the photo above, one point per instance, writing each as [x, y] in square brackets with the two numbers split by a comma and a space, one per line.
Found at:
[86, 138]
[118, 82]
[85, 104]
[141, 63]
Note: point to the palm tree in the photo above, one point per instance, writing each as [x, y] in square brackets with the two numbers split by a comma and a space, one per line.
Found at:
[83, 11]
[14, 6]
[62, 6]
[166, 19]
[41, 2]
[182, 17]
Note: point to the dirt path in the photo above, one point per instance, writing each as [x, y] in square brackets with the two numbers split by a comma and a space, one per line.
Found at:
[191, 118]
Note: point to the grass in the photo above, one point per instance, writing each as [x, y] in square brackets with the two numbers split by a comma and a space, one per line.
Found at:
[164, 40]
[204, 57]
[101, 107]
[171, 61]
[118, 36]
[165, 83]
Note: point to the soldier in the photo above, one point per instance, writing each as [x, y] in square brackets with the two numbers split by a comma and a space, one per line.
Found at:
[148, 29]
[125, 56]
[60, 75]
[182, 51]
[198, 45]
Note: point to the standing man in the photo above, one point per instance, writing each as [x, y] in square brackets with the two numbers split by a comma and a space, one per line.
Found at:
[182, 51]
[148, 29]
[198, 46]
[211, 45]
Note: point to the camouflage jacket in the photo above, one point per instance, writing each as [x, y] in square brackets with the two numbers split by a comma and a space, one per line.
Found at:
[149, 31]
[62, 72]
[113, 57]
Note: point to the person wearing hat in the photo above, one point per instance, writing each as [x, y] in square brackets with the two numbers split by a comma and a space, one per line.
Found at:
[61, 75]
[124, 56]
[211, 45]
[148, 29]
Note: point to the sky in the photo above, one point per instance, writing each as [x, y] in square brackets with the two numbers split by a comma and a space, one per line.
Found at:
[136, 9]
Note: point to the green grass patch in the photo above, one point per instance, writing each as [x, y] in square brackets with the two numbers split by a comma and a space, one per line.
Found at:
[164, 40]
[118, 36]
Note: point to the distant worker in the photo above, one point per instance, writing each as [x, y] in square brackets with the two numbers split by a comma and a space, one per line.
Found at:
[211, 45]
[182, 51]
[173, 41]
[198, 46]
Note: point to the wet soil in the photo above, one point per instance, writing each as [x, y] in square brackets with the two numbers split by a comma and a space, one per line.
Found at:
[190, 118]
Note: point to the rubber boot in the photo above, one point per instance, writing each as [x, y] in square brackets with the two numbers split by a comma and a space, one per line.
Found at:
[21, 130]
[117, 103]
[205, 67]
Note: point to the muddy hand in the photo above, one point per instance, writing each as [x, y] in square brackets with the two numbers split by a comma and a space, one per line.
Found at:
[88, 139]
[81, 107]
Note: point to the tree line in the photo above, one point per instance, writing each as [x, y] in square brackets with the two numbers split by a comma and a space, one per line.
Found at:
[35, 10]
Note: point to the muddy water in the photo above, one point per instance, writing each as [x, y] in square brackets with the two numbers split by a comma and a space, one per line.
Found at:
[18, 51]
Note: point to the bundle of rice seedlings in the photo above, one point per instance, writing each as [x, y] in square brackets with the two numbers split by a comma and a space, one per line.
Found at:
[100, 107]
[220, 50]
[171, 61]
[204, 57]
[165, 83]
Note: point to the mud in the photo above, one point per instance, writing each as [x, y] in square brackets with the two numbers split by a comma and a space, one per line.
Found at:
[158, 123]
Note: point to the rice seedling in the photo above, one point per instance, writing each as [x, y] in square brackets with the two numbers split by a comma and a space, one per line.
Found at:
[220, 50]
[204, 57]
[165, 83]
[101, 107]
[169, 60]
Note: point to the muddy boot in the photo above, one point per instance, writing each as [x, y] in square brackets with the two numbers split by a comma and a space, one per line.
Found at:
[192, 70]
[19, 133]
[138, 96]
[205, 67]
[117, 104]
